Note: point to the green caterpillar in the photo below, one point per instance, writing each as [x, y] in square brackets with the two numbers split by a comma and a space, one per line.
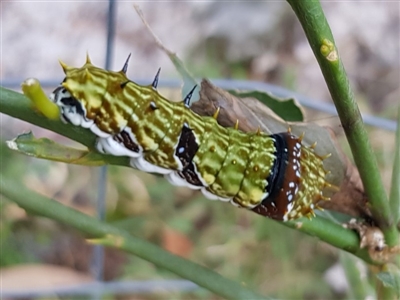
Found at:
[273, 175]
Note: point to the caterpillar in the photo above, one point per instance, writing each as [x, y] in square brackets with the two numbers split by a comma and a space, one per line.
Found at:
[276, 175]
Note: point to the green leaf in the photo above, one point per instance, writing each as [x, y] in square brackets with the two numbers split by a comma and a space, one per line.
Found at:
[288, 109]
[390, 279]
[45, 148]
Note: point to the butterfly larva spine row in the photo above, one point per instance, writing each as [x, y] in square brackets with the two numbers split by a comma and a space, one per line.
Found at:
[275, 175]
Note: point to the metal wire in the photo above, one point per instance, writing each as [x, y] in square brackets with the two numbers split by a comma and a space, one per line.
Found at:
[104, 288]
[97, 264]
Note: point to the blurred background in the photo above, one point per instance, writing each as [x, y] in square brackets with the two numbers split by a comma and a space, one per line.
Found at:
[260, 41]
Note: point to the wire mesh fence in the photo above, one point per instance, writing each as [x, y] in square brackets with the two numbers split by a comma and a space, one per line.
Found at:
[99, 288]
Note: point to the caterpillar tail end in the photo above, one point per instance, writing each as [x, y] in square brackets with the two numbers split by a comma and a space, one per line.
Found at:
[33, 91]
[313, 182]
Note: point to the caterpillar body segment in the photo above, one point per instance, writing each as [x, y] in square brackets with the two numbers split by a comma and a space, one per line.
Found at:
[275, 176]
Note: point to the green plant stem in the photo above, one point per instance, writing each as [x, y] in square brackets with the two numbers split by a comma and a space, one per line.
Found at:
[331, 233]
[319, 35]
[111, 236]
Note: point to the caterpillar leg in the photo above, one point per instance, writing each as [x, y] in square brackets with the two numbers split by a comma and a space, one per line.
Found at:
[177, 180]
[212, 196]
[93, 128]
[111, 145]
[121, 144]
[143, 165]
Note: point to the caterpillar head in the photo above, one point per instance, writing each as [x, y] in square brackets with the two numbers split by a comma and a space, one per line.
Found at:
[71, 110]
